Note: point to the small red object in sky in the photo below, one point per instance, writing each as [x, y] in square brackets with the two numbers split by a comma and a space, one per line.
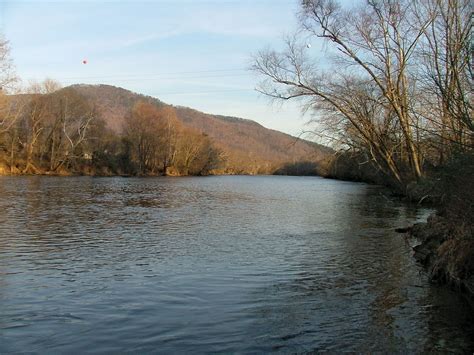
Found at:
[84, 61]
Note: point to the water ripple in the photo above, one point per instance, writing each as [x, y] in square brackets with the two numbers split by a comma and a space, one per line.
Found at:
[219, 264]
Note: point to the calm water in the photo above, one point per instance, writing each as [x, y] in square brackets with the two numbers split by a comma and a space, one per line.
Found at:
[217, 264]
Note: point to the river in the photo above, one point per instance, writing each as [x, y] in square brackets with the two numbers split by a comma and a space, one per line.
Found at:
[215, 264]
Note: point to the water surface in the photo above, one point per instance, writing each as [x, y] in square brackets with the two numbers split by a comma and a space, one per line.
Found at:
[217, 264]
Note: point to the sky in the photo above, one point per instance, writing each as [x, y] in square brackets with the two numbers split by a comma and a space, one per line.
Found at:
[193, 53]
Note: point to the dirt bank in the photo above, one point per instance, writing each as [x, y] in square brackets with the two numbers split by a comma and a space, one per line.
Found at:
[446, 249]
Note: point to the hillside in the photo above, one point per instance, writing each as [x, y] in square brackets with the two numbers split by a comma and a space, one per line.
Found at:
[247, 146]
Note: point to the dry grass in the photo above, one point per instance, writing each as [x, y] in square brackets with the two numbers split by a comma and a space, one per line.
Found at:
[448, 237]
[455, 261]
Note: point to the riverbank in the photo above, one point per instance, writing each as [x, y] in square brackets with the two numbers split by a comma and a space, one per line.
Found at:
[446, 246]
[446, 250]
[446, 239]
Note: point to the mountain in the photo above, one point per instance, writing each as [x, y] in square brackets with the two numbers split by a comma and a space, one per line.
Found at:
[248, 146]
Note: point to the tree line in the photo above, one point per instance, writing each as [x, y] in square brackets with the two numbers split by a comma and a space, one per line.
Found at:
[49, 130]
[395, 87]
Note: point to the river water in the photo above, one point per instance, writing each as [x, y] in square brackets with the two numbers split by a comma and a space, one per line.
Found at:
[215, 264]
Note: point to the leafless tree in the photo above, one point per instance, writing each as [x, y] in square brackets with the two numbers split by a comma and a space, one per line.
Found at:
[75, 120]
[143, 131]
[446, 73]
[370, 89]
[8, 77]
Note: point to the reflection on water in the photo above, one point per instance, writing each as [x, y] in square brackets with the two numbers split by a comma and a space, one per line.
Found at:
[228, 264]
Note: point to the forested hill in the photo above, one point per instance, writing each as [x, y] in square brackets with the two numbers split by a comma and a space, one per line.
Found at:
[247, 147]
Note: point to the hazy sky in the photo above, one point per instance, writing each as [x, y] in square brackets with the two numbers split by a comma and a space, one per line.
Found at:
[193, 53]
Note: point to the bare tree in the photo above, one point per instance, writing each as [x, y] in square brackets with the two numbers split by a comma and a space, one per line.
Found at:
[35, 114]
[446, 73]
[369, 87]
[9, 111]
[72, 122]
[169, 129]
[8, 78]
[37, 111]
[143, 130]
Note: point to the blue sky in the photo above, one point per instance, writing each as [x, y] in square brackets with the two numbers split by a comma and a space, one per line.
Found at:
[184, 52]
